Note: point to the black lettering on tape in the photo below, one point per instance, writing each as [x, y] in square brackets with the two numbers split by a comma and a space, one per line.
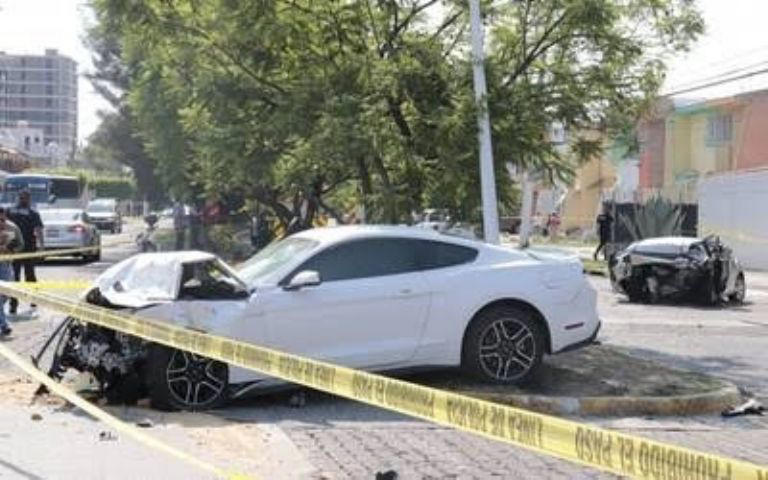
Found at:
[594, 446]
[665, 463]
[290, 367]
[379, 389]
[626, 455]
[468, 413]
[228, 351]
[526, 429]
[362, 387]
[498, 422]
[325, 377]
[456, 409]
[410, 398]
[257, 358]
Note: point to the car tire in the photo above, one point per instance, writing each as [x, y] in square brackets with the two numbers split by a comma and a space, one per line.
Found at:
[740, 291]
[179, 380]
[503, 345]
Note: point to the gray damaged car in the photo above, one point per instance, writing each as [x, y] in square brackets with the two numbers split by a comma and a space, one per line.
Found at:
[702, 270]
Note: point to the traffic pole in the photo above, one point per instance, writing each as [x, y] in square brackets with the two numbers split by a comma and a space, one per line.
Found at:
[487, 180]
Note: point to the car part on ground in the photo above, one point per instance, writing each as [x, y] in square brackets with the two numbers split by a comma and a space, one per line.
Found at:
[703, 270]
[373, 298]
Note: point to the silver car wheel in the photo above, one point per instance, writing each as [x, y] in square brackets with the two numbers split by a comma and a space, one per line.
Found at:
[507, 349]
[194, 380]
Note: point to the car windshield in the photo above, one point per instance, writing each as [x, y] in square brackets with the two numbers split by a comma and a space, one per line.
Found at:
[273, 257]
[100, 207]
[59, 215]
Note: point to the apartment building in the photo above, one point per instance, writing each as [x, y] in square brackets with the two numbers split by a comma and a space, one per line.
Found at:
[41, 92]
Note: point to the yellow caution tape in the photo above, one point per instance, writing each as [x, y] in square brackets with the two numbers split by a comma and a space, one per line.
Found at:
[580, 443]
[46, 253]
[56, 284]
[111, 420]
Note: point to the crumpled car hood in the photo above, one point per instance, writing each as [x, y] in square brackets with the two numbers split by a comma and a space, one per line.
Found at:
[146, 279]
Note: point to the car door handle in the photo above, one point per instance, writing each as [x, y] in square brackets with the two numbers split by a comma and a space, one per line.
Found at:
[406, 291]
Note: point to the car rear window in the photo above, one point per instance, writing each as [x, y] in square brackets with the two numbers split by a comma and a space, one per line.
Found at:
[441, 255]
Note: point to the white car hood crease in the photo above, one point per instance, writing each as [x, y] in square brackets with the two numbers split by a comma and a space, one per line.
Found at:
[146, 279]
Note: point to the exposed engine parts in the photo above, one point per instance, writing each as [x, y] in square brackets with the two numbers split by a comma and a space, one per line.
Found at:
[702, 270]
[112, 358]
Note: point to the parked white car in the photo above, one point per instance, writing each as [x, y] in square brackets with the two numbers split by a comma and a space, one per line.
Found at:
[69, 228]
[375, 298]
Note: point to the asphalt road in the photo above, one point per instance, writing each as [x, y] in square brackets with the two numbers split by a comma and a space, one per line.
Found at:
[337, 439]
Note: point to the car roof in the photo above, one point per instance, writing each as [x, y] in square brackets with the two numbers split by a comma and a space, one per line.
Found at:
[329, 235]
[667, 242]
[663, 245]
[185, 256]
[61, 210]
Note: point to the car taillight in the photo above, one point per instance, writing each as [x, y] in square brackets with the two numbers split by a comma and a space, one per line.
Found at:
[76, 229]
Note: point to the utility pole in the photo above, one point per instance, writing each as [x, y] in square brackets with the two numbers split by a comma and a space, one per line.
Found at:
[487, 180]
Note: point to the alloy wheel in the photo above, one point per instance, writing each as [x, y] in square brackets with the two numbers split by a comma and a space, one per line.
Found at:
[507, 349]
[194, 380]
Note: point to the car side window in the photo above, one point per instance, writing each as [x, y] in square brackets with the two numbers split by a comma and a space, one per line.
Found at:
[365, 258]
[441, 255]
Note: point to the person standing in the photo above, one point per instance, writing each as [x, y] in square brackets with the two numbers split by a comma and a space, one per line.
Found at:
[28, 221]
[180, 224]
[604, 228]
[11, 241]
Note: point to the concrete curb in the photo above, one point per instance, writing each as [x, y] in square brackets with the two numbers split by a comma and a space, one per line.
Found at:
[692, 404]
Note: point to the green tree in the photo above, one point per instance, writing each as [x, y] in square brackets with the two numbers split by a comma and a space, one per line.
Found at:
[311, 107]
[117, 139]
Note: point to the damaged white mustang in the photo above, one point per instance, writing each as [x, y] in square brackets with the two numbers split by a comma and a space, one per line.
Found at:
[375, 298]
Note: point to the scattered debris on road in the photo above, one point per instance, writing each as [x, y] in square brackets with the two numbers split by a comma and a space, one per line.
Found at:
[145, 423]
[750, 407]
[388, 475]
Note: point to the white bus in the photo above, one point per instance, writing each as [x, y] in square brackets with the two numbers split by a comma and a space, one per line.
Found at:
[46, 191]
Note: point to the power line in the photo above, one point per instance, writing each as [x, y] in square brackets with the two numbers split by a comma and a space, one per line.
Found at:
[718, 82]
[720, 75]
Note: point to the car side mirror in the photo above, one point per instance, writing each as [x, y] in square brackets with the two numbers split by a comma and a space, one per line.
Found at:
[51, 198]
[305, 278]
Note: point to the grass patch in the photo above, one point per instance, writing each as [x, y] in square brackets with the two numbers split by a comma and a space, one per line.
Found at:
[595, 267]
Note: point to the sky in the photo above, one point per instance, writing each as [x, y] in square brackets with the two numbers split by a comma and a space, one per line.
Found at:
[735, 38]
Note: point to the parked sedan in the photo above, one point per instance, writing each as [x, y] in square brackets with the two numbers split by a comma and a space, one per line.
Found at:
[68, 228]
[702, 269]
[104, 214]
[374, 298]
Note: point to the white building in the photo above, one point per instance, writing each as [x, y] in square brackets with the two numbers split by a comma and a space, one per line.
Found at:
[31, 142]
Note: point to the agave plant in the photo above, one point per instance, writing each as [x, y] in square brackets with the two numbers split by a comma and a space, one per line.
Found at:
[658, 217]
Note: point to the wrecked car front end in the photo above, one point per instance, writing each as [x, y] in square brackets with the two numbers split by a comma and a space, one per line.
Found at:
[702, 270]
[126, 368]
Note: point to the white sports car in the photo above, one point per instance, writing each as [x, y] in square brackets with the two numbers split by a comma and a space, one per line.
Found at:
[375, 298]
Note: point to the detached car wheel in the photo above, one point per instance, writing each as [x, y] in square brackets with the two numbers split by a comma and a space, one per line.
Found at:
[179, 380]
[503, 345]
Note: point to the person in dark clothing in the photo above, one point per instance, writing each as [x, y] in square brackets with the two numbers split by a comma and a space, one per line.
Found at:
[31, 226]
[604, 228]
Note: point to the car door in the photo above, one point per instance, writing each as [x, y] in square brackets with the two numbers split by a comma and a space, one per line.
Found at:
[368, 311]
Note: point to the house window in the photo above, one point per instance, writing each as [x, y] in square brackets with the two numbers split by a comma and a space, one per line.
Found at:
[719, 128]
